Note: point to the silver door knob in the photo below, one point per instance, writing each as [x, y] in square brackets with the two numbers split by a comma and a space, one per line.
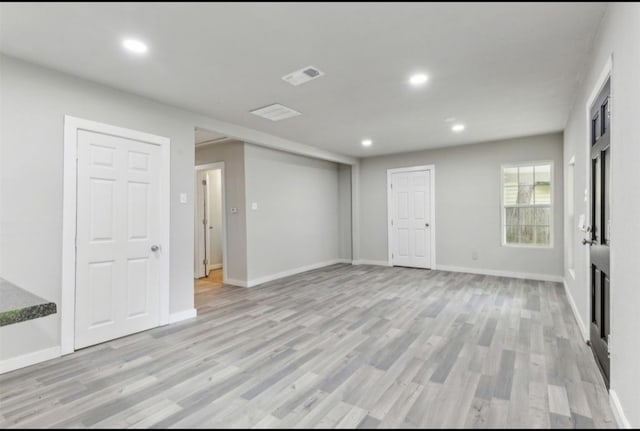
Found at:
[587, 241]
[155, 247]
[426, 225]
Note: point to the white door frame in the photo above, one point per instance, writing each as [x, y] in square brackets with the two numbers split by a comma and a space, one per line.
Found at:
[67, 310]
[432, 197]
[207, 167]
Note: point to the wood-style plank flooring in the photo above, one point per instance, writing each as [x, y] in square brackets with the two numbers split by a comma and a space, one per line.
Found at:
[343, 346]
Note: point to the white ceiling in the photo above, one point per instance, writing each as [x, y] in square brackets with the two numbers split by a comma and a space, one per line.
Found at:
[504, 69]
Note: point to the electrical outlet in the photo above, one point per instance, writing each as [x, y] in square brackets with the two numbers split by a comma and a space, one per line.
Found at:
[474, 255]
[234, 210]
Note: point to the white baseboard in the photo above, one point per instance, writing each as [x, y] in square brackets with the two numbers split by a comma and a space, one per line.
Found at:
[214, 266]
[371, 262]
[618, 413]
[182, 315]
[267, 278]
[498, 273]
[576, 315]
[29, 359]
[232, 282]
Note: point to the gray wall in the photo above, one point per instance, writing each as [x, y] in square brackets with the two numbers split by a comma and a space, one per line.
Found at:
[344, 212]
[33, 104]
[619, 35]
[232, 154]
[296, 223]
[467, 204]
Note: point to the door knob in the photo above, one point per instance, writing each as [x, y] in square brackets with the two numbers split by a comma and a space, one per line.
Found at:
[587, 241]
[426, 225]
[155, 247]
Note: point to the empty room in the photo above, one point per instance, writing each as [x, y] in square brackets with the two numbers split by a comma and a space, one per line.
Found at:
[319, 215]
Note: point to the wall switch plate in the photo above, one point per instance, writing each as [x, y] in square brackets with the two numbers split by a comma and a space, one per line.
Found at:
[254, 205]
[183, 198]
[234, 210]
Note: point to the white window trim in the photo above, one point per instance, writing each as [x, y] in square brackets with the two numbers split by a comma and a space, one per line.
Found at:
[551, 205]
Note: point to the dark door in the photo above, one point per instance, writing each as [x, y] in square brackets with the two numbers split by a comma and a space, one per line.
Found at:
[599, 229]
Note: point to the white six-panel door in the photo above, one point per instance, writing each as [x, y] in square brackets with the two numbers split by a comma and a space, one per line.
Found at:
[118, 227]
[411, 219]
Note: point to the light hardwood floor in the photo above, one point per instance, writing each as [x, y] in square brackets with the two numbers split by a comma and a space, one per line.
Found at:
[343, 346]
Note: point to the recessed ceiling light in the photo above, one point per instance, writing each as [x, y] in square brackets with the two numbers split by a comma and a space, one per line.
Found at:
[418, 79]
[457, 127]
[135, 46]
[366, 142]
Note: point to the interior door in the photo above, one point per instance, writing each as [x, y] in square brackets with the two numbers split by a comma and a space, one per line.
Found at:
[410, 219]
[599, 231]
[117, 254]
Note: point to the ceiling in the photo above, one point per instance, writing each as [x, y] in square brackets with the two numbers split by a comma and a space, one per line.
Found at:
[503, 69]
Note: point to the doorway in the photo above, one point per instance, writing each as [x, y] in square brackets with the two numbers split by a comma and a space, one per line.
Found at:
[210, 231]
[598, 238]
[411, 216]
[115, 233]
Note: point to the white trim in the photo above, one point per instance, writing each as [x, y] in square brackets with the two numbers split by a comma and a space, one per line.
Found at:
[206, 167]
[182, 315]
[576, 314]
[618, 412]
[29, 359]
[371, 262]
[503, 232]
[267, 278]
[239, 283]
[69, 197]
[499, 273]
[214, 266]
[432, 192]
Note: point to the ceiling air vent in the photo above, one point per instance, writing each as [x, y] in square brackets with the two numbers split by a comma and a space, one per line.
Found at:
[303, 75]
[275, 112]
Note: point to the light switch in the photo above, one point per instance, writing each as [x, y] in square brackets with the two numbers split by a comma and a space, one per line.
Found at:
[183, 198]
[234, 210]
[254, 205]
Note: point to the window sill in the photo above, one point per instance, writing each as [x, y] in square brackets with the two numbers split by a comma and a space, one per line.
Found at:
[534, 246]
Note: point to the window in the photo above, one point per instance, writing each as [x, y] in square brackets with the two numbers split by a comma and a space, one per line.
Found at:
[526, 204]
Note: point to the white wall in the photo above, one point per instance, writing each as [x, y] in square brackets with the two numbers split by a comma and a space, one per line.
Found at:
[34, 102]
[618, 36]
[467, 204]
[296, 223]
[232, 154]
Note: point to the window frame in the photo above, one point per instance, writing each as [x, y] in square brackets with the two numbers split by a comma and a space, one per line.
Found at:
[503, 229]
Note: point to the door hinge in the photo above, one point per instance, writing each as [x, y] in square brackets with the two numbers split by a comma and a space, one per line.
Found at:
[393, 255]
[392, 185]
[204, 221]
[204, 182]
[391, 222]
[204, 262]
